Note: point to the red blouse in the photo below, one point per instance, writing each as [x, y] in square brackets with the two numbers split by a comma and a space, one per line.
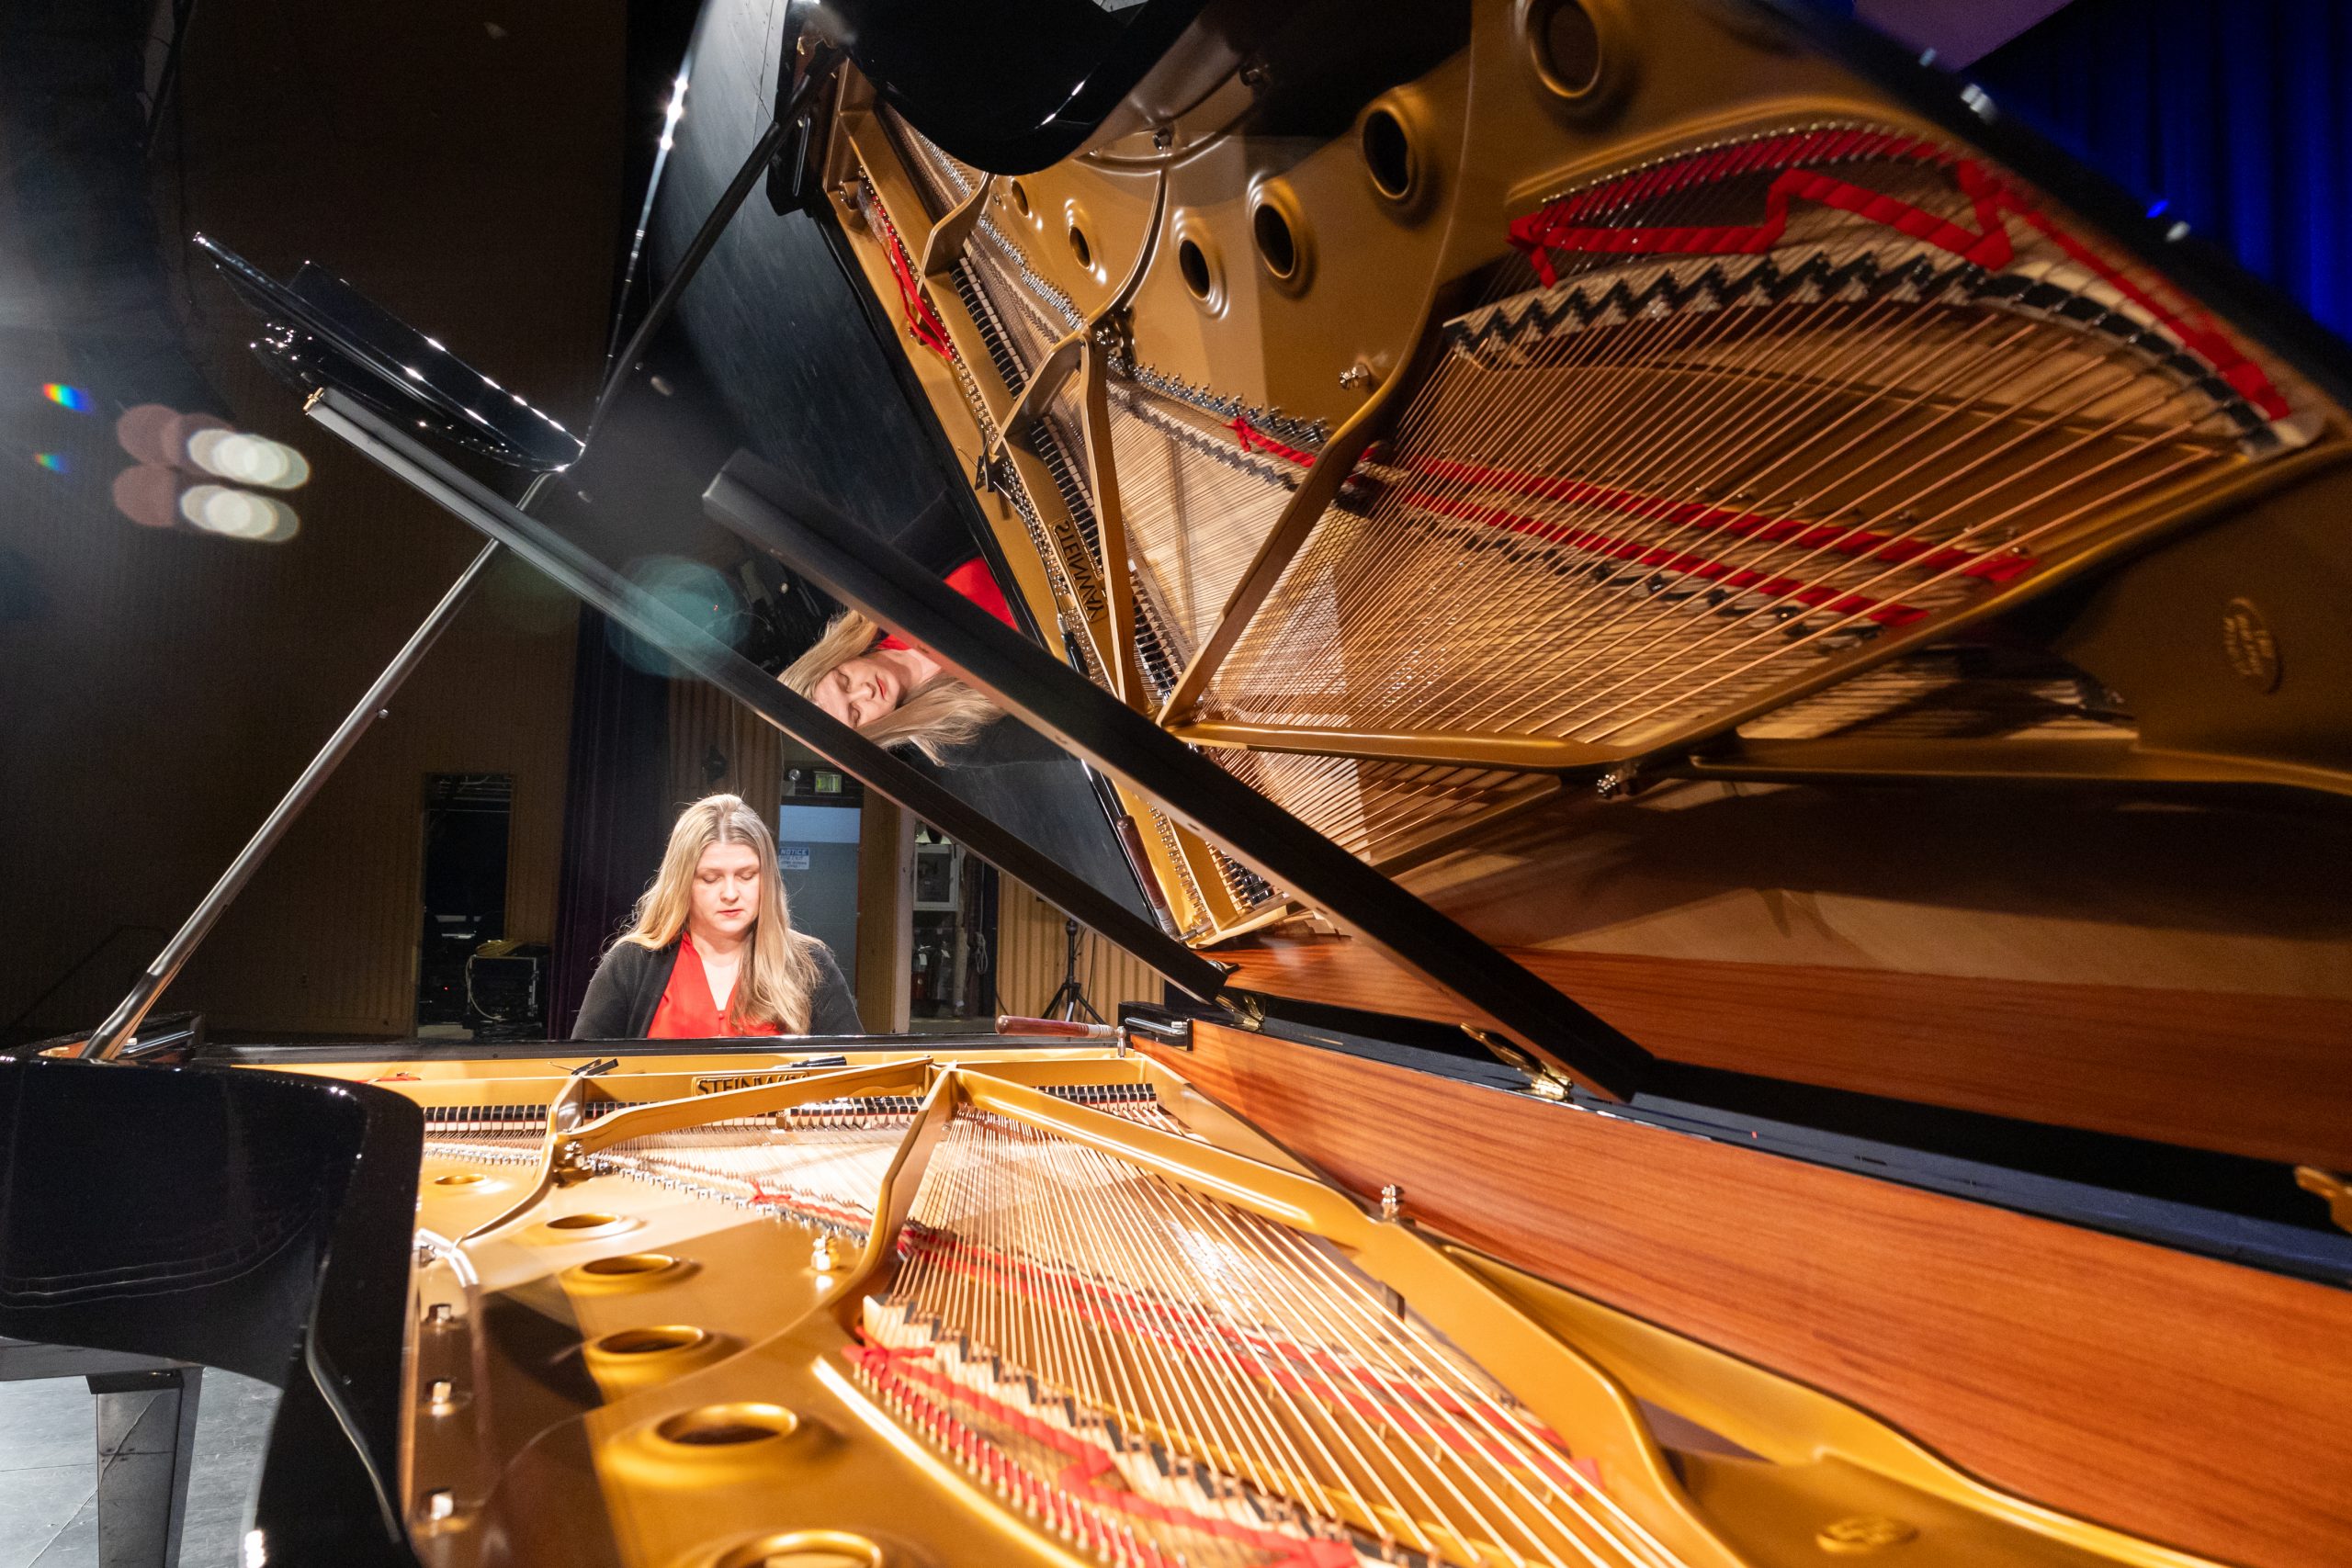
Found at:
[687, 1012]
[973, 581]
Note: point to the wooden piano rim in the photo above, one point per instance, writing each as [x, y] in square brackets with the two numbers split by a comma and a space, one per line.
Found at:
[2265, 1077]
[2176, 1397]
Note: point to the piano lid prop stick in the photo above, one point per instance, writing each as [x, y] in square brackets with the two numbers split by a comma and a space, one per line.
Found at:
[109, 1040]
[1012, 1023]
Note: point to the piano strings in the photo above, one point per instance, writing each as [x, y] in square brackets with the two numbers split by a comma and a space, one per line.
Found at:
[1167, 1377]
[1699, 492]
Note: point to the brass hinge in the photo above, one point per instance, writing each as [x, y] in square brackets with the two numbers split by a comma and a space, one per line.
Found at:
[1176, 1033]
[2328, 1185]
[1544, 1080]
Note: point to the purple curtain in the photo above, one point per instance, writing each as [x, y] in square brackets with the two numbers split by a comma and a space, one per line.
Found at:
[2233, 116]
[615, 816]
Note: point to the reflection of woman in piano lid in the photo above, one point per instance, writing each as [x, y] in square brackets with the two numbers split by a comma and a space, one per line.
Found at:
[889, 690]
[710, 950]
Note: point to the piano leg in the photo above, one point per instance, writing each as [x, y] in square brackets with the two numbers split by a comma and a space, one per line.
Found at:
[146, 1440]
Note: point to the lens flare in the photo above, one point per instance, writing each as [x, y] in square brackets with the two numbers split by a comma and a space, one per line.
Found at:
[143, 430]
[239, 513]
[66, 397]
[148, 493]
[691, 591]
[248, 459]
[676, 112]
[179, 432]
[55, 462]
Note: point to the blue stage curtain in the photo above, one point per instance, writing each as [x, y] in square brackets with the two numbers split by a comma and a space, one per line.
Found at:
[2236, 115]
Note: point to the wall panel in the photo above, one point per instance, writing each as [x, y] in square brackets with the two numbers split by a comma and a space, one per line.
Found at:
[1031, 950]
[710, 730]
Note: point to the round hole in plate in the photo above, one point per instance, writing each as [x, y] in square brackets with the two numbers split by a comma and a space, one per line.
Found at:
[806, 1548]
[1081, 248]
[1192, 263]
[628, 1265]
[1567, 42]
[728, 1425]
[661, 1339]
[1389, 155]
[1020, 194]
[462, 1179]
[1277, 245]
[580, 1227]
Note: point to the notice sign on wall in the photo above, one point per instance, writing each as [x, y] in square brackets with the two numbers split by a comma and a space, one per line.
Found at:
[792, 857]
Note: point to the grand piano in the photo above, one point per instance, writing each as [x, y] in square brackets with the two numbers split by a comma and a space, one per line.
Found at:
[1716, 680]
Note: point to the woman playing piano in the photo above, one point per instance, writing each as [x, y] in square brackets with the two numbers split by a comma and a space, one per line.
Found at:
[889, 690]
[711, 951]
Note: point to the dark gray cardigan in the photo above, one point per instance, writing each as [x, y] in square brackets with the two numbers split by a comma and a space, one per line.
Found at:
[628, 984]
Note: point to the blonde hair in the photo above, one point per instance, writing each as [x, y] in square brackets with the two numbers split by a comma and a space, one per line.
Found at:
[940, 714]
[779, 971]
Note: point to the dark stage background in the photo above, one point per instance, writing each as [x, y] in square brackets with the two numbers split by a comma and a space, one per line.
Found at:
[2234, 116]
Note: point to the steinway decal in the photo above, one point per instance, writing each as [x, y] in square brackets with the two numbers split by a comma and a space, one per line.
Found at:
[721, 1083]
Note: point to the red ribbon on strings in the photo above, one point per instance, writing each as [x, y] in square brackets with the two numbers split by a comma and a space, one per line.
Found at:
[924, 324]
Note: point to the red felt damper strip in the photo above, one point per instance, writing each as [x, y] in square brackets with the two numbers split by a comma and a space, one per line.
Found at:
[1666, 558]
[801, 1202]
[1992, 200]
[1861, 542]
[1088, 1460]
[1254, 440]
[923, 323]
[1039, 1497]
[1118, 1310]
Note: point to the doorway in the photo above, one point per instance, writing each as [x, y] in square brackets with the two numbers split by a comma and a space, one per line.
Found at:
[464, 895]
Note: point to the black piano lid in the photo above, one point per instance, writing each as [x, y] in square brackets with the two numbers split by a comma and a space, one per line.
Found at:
[1798, 26]
[1009, 87]
[321, 331]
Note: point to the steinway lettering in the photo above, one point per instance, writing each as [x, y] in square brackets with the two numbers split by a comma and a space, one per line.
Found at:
[723, 1083]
